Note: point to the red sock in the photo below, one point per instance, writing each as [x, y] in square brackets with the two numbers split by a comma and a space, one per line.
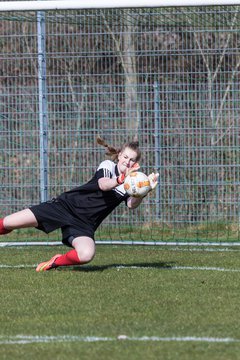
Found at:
[70, 258]
[2, 228]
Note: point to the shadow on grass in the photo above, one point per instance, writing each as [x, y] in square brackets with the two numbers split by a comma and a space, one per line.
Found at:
[154, 265]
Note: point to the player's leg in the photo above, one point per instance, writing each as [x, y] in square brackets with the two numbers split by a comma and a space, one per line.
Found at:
[21, 219]
[85, 248]
[83, 252]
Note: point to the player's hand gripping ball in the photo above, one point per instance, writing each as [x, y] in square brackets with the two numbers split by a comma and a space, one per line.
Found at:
[137, 184]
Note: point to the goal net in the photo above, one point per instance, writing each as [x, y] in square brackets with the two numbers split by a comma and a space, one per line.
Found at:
[167, 76]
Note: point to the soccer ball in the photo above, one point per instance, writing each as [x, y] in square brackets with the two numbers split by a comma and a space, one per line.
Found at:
[137, 184]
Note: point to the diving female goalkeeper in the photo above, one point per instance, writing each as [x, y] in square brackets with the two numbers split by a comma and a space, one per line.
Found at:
[80, 211]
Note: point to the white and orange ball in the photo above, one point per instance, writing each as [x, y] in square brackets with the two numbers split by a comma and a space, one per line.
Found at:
[137, 184]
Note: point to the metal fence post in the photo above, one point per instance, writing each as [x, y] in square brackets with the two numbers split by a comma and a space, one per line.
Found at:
[43, 117]
[157, 142]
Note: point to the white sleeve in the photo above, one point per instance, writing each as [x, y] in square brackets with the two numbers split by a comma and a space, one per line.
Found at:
[106, 169]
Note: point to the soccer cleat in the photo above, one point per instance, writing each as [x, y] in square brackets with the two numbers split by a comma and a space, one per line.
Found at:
[48, 265]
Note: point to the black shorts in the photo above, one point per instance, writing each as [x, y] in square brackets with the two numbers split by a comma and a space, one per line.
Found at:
[52, 215]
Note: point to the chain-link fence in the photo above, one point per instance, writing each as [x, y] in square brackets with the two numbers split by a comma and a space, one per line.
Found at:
[168, 77]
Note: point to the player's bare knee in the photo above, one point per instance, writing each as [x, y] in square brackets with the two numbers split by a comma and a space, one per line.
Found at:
[86, 255]
[85, 248]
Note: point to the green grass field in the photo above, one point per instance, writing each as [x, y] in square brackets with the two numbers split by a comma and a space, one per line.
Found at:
[167, 303]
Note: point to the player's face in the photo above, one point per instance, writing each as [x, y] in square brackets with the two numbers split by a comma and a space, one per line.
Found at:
[126, 159]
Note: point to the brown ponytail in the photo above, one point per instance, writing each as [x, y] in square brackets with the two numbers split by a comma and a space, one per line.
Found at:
[112, 152]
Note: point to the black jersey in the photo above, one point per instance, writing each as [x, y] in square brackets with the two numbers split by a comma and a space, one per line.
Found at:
[80, 211]
[89, 203]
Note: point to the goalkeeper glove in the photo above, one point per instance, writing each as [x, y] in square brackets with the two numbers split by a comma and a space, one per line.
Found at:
[153, 180]
[121, 178]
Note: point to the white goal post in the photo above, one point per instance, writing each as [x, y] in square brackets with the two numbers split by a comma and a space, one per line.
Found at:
[96, 4]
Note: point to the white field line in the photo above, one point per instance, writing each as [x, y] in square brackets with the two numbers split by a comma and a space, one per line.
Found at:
[204, 249]
[20, 266]
[200, 268]
[23, 339]
[203, 268]
[123, 267]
